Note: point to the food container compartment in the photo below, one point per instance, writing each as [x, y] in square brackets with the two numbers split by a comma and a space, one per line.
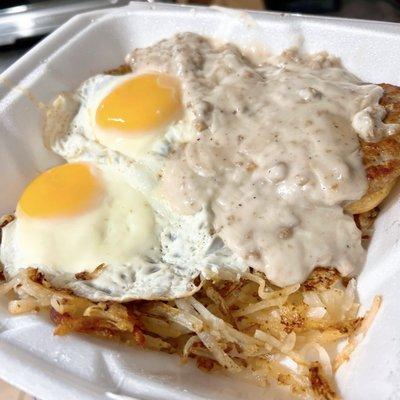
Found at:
[84, 368]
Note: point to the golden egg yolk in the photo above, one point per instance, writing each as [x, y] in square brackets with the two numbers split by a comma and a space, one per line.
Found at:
[61, 191]
[141, 104]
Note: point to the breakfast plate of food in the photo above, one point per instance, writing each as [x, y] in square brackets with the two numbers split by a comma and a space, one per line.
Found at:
[202, 210]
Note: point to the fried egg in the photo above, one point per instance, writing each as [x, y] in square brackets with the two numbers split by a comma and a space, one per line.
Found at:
[128, 113]
[77, 215]
[105, 206]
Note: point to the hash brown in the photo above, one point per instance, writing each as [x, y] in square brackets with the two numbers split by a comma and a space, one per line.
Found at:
[381, 159]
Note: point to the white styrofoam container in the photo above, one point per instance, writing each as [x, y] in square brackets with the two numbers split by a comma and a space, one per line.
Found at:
[78, 367]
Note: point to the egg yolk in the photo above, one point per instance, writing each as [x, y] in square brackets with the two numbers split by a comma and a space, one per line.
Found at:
[65, 190]
[141, 104]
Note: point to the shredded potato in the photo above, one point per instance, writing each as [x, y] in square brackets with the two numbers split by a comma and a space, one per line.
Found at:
[249, 327]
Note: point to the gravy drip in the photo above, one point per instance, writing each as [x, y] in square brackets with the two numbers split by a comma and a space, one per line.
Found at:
[273, 154]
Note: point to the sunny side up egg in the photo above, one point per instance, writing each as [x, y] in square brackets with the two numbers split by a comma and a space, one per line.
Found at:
[76, 215]
[129, 113]
[105, 206]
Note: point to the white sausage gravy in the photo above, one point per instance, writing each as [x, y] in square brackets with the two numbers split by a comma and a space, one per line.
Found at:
[273, 154]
